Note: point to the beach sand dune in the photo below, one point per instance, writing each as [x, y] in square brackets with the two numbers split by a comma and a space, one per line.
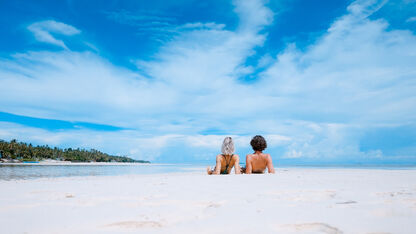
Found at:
[291, 201]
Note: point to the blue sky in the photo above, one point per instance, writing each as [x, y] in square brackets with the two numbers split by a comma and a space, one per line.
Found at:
[326, 82]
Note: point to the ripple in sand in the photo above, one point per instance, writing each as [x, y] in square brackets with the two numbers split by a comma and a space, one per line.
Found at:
[379, 233]
[347, 202]
[214, 205]
[301, 195]
[136, 224]
[208, 205]
[310, 228]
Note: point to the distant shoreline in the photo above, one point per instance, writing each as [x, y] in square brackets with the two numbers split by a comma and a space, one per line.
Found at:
[69, 163]
[16, 152]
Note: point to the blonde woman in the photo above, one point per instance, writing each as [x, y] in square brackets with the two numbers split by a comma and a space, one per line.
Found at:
[227, 160]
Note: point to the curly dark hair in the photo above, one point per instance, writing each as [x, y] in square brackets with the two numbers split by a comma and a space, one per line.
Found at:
[258, 143]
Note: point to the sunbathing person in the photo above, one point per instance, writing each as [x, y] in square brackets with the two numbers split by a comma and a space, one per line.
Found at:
[258, 161]
[227, 160]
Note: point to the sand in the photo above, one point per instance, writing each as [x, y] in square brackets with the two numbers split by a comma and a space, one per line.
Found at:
[290, 201]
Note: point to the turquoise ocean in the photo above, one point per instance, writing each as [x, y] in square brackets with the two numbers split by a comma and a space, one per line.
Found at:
[27, 172]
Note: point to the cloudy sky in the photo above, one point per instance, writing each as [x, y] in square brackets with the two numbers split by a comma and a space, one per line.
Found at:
[326, 81]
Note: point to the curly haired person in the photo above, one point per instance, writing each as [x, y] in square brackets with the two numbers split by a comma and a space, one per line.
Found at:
[258, 161]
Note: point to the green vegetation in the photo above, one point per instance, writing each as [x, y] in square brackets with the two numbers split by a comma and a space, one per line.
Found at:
[26, 152]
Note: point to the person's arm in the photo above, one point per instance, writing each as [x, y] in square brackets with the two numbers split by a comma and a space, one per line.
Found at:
[217, 166]
[248, 165]
[237, 164]
[270, 167]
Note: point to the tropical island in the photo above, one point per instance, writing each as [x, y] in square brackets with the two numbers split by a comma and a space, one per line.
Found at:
[15, 151]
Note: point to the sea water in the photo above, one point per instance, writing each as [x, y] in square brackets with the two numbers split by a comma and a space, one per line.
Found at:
[24, 172]
[33, 171]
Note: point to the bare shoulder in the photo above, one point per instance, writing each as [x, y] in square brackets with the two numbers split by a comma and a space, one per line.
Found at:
[268, 157]
[235, 156]
[249, 156]
[219, 157]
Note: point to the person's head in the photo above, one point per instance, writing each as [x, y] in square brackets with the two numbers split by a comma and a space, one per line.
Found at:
[258, 143]
[227, 147]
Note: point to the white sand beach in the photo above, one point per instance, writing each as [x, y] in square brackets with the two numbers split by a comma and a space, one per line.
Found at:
[293, 200]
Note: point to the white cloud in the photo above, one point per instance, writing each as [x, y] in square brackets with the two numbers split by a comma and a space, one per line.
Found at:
[358, 72]
[411, 19]
[365, 8]
[215, 141]
[293, 154]
[133, 143]
[158, 26]
[254, 15]
[199, 25]
[43, 31]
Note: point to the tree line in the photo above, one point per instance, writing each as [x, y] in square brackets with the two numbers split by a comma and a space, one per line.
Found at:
[27, 152]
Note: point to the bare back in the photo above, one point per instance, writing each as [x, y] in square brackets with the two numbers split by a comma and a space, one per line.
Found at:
[225, 163]
[258, 162]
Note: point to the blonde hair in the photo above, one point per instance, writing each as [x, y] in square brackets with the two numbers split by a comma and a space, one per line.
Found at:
[227, 147]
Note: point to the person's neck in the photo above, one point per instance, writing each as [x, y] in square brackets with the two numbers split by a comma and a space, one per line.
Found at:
[258, 152]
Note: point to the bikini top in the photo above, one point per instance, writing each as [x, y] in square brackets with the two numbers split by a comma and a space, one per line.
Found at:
[227, 164]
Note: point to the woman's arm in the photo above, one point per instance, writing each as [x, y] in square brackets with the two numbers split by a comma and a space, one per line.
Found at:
[270, 167]
[217, 170]
[248, 164]
[237, 164]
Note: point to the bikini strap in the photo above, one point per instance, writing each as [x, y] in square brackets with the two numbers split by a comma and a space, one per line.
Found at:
[227, 164]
